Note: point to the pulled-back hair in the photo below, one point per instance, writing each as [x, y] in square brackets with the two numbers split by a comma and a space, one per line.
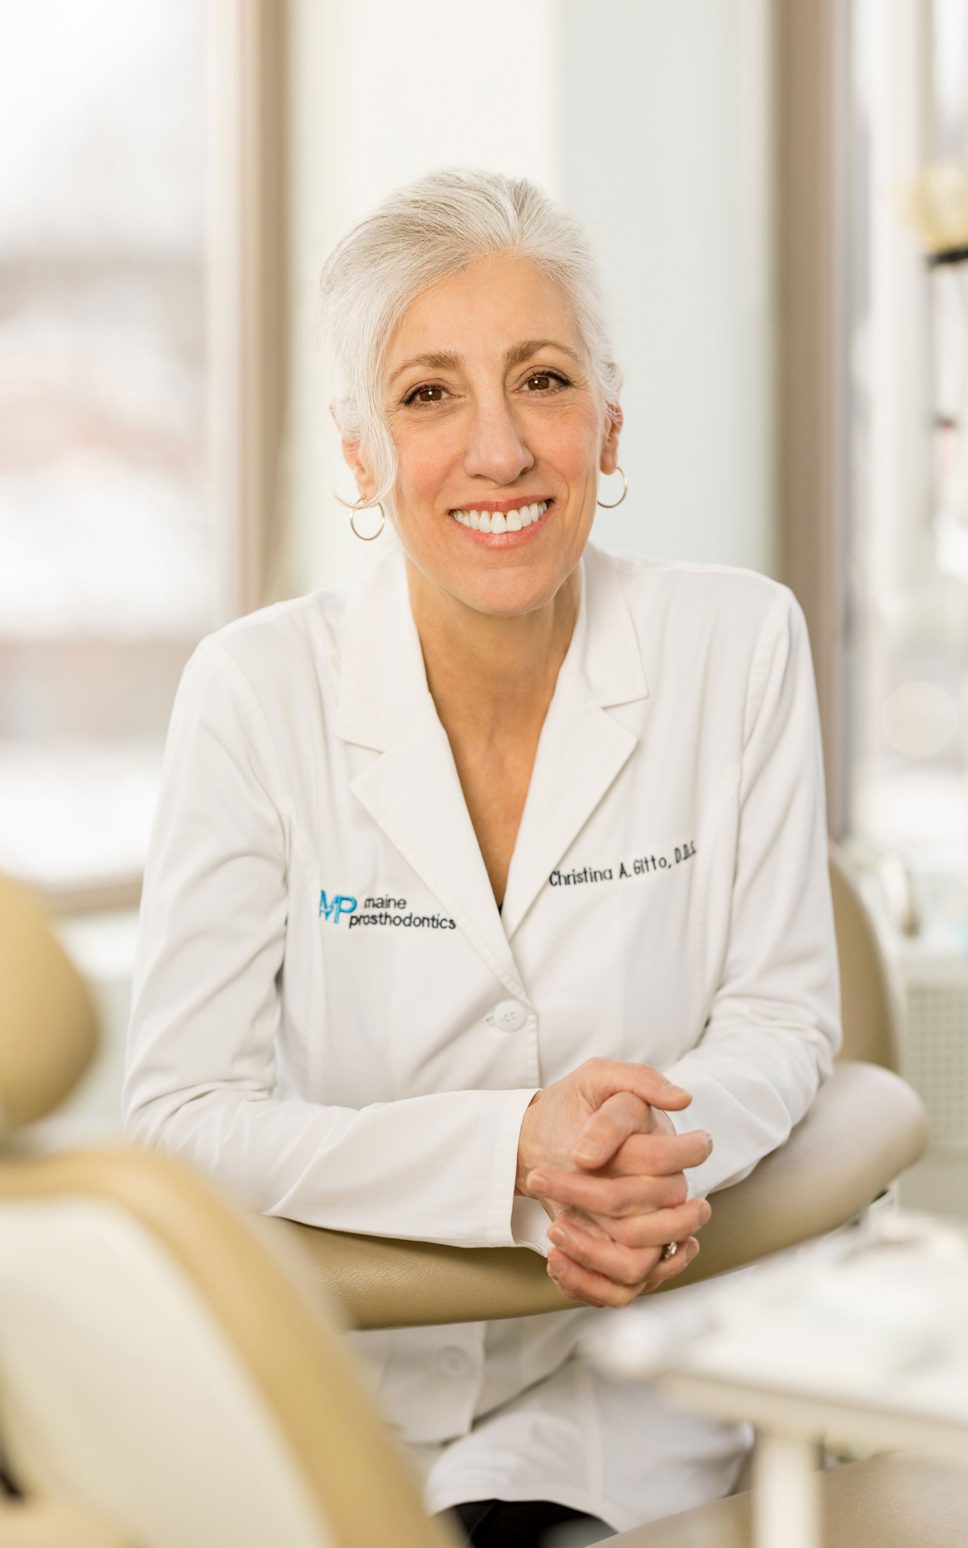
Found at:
[423, 233]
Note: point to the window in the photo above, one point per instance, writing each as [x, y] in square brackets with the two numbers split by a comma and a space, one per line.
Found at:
[141, 355]
[908, 443]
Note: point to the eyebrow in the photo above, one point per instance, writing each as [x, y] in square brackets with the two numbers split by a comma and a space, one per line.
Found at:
[446, 360]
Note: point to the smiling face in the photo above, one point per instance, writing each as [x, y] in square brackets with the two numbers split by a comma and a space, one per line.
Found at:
[500, 433]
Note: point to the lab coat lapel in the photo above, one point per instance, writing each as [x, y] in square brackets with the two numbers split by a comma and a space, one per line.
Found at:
[412, 790]
[582, 747]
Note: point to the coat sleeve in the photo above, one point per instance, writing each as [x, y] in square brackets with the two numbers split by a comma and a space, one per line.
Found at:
[200, 1080]
[774, 1024]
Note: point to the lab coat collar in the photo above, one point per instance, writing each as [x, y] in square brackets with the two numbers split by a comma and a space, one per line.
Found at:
[582, 747]
[413, 791]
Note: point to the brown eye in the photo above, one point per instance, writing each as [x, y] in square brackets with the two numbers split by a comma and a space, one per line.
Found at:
[546, 381]
[431, 394]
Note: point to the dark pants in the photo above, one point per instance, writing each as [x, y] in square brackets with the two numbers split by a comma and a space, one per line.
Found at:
[525, 1524]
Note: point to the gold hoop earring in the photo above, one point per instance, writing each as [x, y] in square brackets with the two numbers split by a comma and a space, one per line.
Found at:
[368, 537]
[607, 505]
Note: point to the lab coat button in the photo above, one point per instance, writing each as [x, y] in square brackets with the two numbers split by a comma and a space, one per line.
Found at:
[453, 1361]
[509, 1016]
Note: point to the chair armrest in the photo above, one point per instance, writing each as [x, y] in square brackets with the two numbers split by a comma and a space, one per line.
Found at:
[865, 1126]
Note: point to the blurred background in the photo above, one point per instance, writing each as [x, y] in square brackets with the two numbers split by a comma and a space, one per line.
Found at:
[778, 193]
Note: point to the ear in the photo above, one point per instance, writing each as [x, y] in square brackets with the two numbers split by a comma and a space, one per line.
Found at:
[608, 460]
[358, 467]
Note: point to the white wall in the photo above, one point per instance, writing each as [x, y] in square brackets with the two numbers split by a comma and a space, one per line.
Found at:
[651, 122]
[382, 93]
[665, 155]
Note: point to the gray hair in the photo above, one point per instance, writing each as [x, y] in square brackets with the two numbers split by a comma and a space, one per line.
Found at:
[420, 234]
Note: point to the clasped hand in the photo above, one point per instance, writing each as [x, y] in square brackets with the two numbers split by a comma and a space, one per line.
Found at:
[608, 1166]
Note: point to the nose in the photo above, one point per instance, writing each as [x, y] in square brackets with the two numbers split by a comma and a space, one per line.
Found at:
[496, 449]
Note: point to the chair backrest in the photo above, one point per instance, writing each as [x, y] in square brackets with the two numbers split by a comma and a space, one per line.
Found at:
[164, 1370]
[50, 1524]
[161, 1366]
[48, 1030]
[870, 1005]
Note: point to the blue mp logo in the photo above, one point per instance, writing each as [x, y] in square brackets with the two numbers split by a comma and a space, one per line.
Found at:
[340, 905]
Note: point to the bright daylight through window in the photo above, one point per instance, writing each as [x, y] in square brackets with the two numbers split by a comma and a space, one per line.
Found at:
[107, 543]
[907, 535]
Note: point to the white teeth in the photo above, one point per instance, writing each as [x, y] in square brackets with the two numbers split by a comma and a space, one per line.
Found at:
[499, 521]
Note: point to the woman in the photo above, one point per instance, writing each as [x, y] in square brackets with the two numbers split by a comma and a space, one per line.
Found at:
[443, 875]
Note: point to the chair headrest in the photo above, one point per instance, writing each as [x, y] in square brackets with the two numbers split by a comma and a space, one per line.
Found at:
[48, 1026]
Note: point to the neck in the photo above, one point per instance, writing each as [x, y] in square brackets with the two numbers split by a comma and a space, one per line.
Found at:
[467, 655]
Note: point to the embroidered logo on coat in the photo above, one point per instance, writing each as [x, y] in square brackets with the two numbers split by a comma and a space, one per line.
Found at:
[383, 911]
[341, 904]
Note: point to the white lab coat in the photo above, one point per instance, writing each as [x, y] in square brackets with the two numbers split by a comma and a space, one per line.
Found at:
[331, 1016]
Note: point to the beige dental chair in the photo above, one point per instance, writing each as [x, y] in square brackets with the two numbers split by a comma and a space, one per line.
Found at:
[170, 1376]
[165, 1379]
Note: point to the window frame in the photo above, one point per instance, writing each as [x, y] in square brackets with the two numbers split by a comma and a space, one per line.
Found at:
[810, 115]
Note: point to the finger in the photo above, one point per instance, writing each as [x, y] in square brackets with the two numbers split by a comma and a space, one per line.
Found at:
[581, 1284]
[603, 1195]
[619, 1198]
[641, 1154]
[586, 1222]
[659, 1154]
[632, 1160]
[669, 1268]
[655, 1227]
[651, 1193]
[619, 1117]
[602, 1078]
[622, 1265]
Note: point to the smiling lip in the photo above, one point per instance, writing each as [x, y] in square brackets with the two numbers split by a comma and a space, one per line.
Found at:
[504, 505]
[496, 540]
